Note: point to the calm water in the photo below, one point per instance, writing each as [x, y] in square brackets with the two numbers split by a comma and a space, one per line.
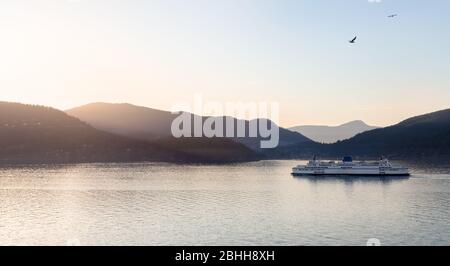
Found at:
[247, 204]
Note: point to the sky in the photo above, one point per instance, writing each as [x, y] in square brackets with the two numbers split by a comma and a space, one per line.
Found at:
[66, 53]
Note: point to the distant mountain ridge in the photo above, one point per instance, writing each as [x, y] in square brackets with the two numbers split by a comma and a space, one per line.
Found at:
[422, 137]
[151, 124]
[37, 134]
[126, 119]
[332, 134]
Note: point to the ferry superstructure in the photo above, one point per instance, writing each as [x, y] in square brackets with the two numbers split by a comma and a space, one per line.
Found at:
[347, 167]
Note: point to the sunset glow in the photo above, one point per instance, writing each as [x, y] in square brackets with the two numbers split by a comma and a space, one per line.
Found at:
[153, 53]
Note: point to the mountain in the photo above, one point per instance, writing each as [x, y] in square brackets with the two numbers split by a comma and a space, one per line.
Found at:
[150, 124]
[126, 119]
[37, 134]
[332, 134]
[210, 150]
[423, 137]
[419, 137]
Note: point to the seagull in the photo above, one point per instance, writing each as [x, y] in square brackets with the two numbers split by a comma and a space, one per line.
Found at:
[392, 16]
[353, 41]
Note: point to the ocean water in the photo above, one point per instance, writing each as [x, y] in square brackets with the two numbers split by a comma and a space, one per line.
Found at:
[256, 203]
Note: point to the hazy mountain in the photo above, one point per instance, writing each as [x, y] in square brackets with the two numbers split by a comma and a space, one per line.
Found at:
[286, 137]
[126, 119]
[422, 137]
[150, 124]
[332, 134]
[36, 134]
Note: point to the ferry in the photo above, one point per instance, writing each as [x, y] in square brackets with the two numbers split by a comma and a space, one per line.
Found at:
[348, 167]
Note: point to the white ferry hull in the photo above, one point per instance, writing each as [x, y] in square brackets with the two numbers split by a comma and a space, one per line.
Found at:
[351, 172]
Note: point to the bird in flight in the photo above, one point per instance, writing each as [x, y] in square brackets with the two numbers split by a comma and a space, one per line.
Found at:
[353, 40]
[392, 16]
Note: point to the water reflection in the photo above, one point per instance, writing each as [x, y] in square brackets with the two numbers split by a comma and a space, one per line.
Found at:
[245, 204]
[352, 179]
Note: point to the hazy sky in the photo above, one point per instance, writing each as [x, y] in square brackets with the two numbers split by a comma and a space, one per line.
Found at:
[65, 53]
